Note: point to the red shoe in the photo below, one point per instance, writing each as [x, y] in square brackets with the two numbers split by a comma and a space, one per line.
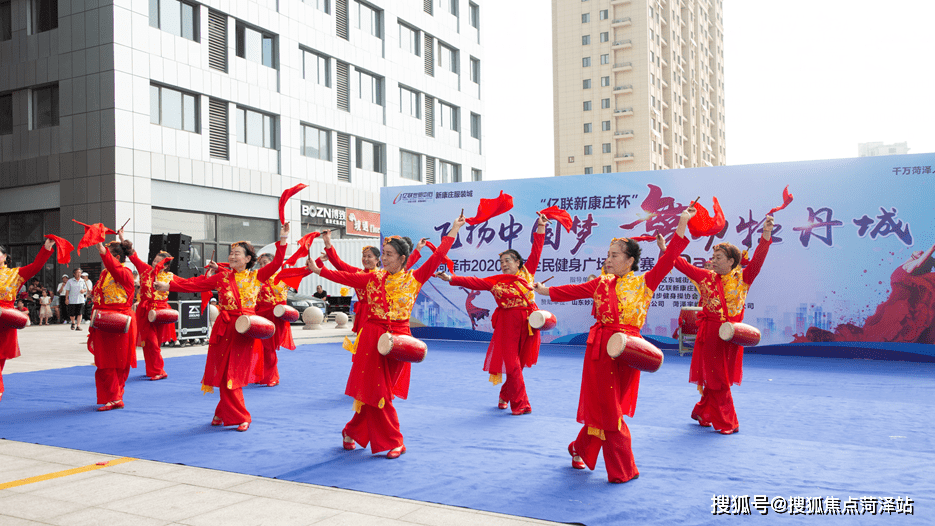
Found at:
[348, 442]
[159, 377]
[501, 404]
[524, 411]
[701, 422]
[216, 421]
[243, 427]
[396, 452]
[576, 461]
[111, 405]
[274, 383]
[729, 431]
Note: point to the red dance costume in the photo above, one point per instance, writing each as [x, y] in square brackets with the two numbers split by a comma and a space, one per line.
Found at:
[114, 353]
[153, 335]
[376, 379]
[514, 344]
[228, 365]
[361, 308]
[11, 279]
[609, 387]
[716, 364]
[272, 294]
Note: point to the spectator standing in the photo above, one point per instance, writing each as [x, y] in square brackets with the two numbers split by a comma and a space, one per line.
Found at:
[75, 291]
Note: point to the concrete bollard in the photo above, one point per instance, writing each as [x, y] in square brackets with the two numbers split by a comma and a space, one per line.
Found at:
[312, 318]
[341, 320]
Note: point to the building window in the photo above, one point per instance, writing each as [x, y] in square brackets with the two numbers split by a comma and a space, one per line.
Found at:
[587, 127]
[453, 7]
[585, 18]
[587, 150]
[369, 19]
[448, 116]
[173, 109]
[605, 104]
[605, 36]
[586, 84]
[475, 126]
[410, 165]
[370, 156]
[6, 23]
[605, 59]
[588, 170]
[255, 128]
[607, 169]
[256, 46]
[586, 62]
[6, 114]
[174, 17]
[370, 87]
[605, 125]
[448, 172]
[587, 105]
[603, 14]
[409, 39]
[321, 5]
[605, 81]
[447, 57]
[43, 15]
[475, 70]
[475, 15]
[316, 68]
[44, 107]
[585, 40]
[316, 143]
[605, 148]
[409, 102]
[476, 175]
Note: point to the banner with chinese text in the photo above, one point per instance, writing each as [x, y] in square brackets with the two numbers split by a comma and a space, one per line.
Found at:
[843, 266]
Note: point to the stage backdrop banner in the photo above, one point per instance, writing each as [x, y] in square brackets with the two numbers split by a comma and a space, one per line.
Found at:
[840, 268]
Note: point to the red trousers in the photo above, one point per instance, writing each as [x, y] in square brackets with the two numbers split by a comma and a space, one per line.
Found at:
[618, 457]
[110, 383]
[514, 387]
[378, 427]
[2, 362]
[270, 361]
[152, 353]
[231, 409]
[717, 406]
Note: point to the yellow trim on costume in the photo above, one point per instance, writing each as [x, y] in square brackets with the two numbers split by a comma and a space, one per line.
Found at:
[230, 384]
[700, 389]
[528, 326]
[206, 389]
[599, 433]
[382, 403]
[358, 405]
[350, 345]
[496, 379]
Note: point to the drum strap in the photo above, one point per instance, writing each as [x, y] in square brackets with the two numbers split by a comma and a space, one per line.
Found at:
[719, 284]
[596, 336]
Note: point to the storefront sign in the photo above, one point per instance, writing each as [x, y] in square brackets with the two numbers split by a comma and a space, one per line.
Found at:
[363, 223]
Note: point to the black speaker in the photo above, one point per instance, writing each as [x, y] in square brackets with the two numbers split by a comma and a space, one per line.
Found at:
[179, 247]
[157, 242]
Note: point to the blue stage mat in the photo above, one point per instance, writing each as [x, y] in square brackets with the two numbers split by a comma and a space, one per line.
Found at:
[810, 427]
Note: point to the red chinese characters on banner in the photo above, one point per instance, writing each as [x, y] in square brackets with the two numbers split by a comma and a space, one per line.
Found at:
[363, 223]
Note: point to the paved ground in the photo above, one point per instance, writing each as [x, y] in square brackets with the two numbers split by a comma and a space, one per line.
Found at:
[50, 485]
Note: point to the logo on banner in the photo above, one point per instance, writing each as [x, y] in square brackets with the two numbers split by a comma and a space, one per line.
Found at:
[414, 197]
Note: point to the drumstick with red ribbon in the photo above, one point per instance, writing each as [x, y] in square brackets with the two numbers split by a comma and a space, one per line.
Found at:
[546, 280]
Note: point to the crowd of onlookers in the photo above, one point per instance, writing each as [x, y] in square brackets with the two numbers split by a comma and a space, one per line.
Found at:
[67, 302]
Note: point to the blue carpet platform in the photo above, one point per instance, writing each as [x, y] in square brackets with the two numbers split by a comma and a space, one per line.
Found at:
[809, 427]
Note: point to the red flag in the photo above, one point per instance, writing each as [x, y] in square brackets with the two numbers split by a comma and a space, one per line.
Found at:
[93, 234]
[489, 208]
[285, 197]
[703, 224]
[161, 265]
[205, 300]
[447, 261]
[554, 212]
[292, 276]
[305, 242]
[643, 238]
[62, 249]
[786, 200]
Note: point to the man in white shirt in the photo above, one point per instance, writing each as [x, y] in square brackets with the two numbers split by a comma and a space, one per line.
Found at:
[86, 307]
[75, 290]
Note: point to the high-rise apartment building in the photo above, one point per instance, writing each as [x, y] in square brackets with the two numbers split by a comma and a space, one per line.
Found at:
[192, 117]
[637, 85]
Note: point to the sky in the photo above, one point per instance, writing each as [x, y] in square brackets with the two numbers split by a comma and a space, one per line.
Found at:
[804, 80]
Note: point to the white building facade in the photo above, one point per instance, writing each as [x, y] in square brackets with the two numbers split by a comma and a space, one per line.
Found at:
[193, 117]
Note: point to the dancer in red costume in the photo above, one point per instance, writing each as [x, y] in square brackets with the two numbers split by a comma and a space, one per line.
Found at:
[609, 387]
[376, 379]
[152, 335]
[369, 260]
[11, 279]
[716, 364]
[114, 352]
[272, 294]
[514, 344]
[230, 354]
